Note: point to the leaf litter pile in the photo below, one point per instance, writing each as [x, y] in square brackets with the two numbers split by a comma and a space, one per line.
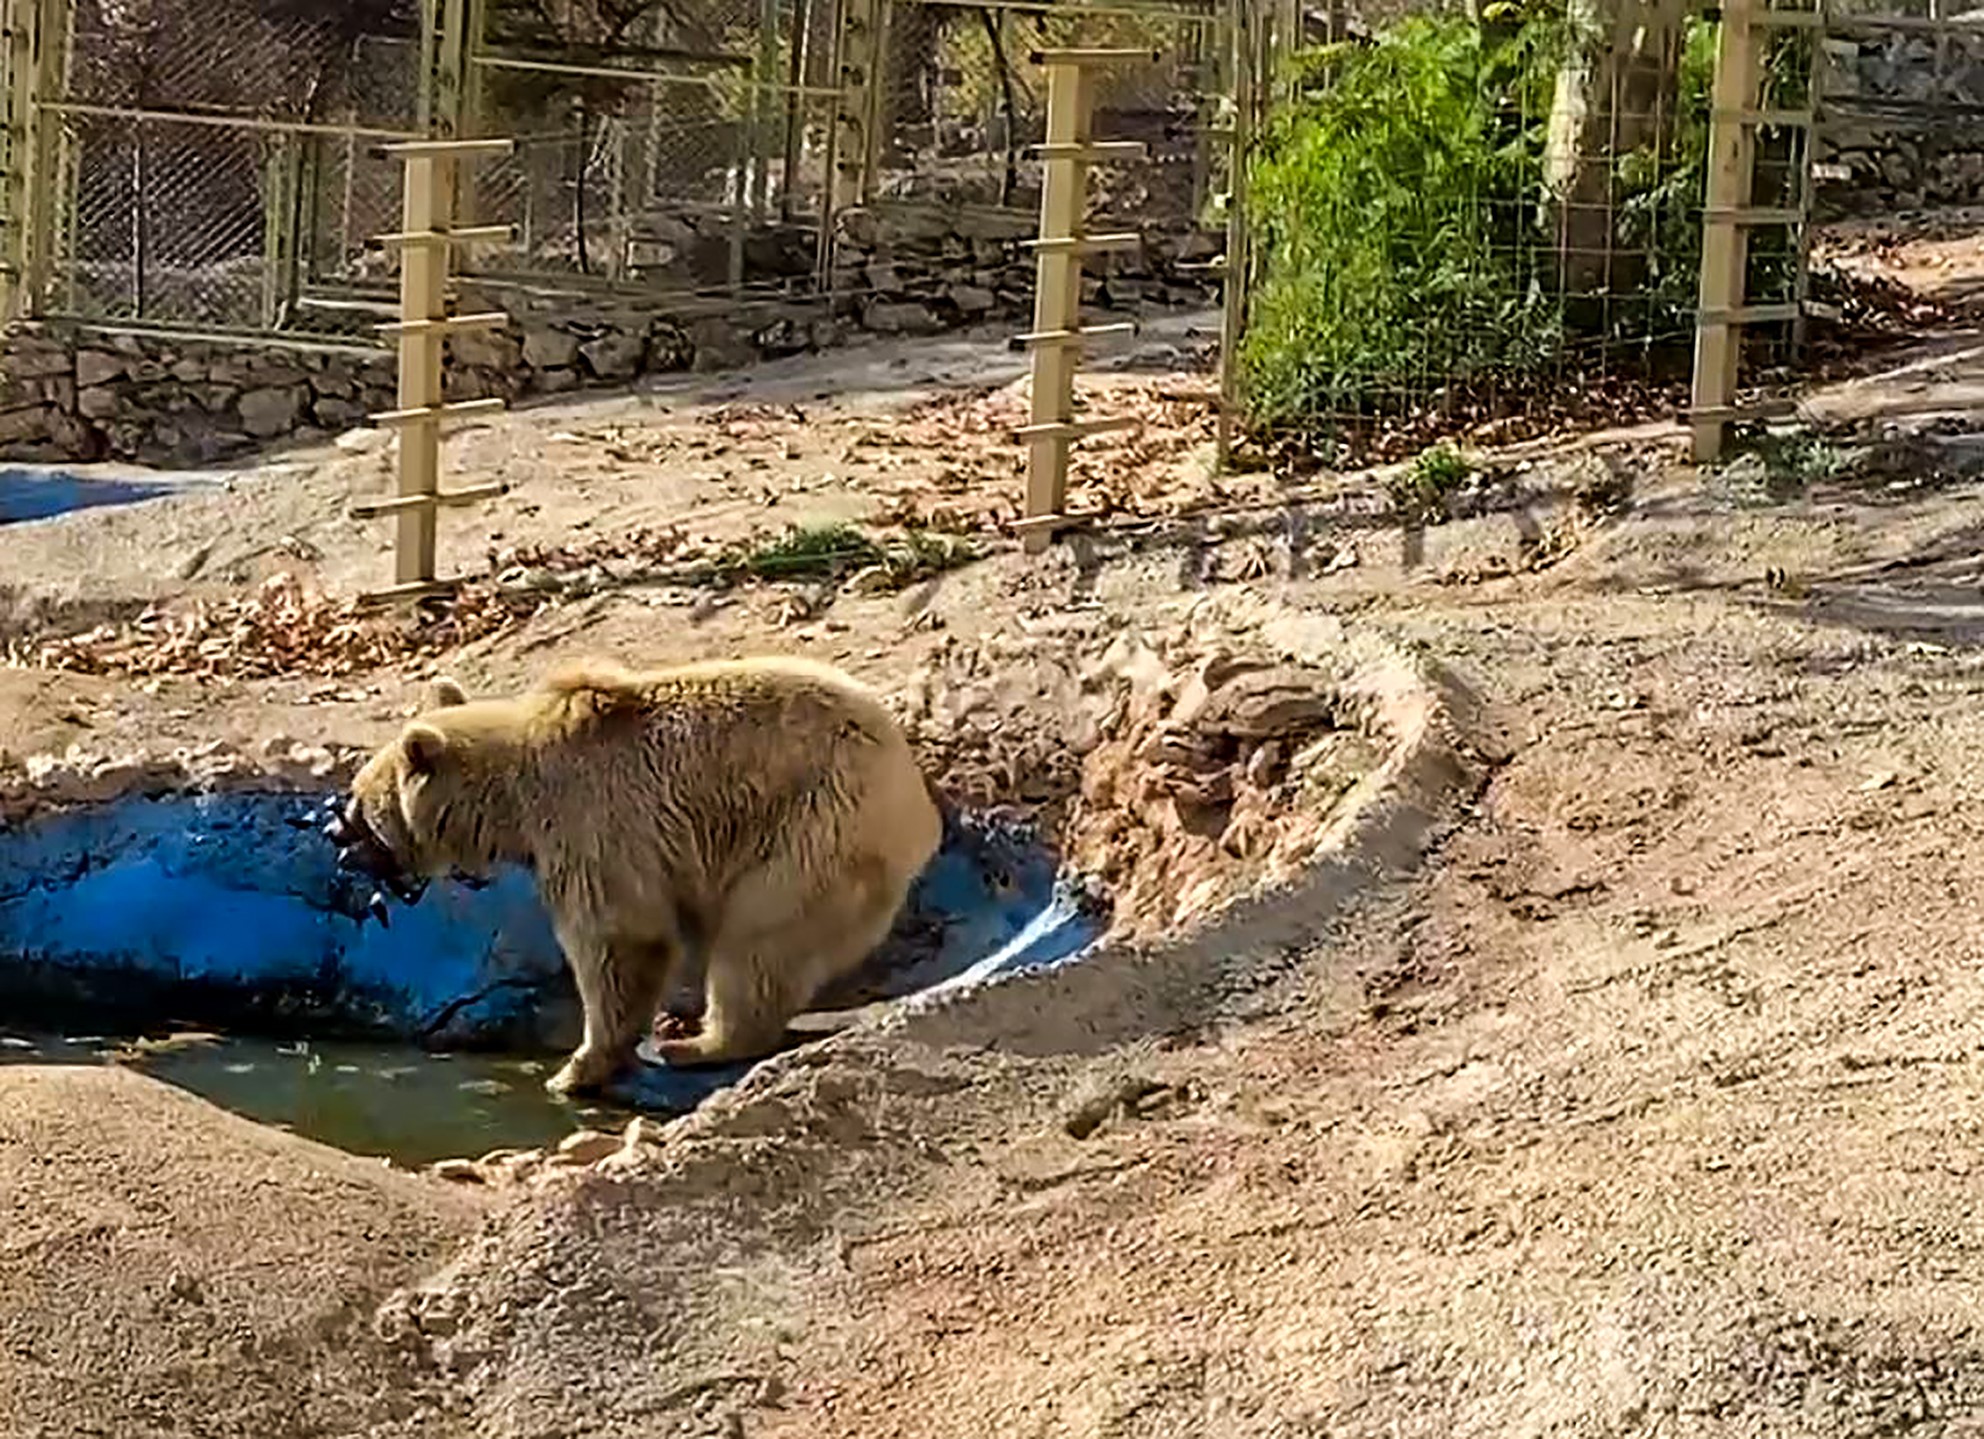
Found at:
[1159, 470]
[286, 628]
[282, 628]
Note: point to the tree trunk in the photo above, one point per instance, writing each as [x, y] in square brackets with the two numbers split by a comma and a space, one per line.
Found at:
[1616, 94]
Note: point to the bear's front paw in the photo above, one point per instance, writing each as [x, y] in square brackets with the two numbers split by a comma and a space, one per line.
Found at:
[582, 1074]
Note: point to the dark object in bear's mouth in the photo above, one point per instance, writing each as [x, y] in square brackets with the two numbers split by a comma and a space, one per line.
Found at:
[362, 852]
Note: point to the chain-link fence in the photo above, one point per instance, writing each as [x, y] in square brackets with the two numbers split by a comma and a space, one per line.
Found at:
[212, 164]
[217, 165]
[951, 189]
[965, 99]
[767, 151]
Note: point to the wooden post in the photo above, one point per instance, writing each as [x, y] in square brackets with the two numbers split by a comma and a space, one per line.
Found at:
[764, 88]
[798, 69]
[429, 183]
[857, 77]
[426, 235]
[1058, 336]
[1725, 241]
[1238, 268]
[1808, 154]
[39, 145]
[1057, 295]
[282, 181]
[22, 19]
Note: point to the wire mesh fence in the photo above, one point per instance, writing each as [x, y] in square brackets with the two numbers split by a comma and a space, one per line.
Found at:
[1491, 226]
[651, 142]
[1479, 220]
[209, 161]
[965, 99]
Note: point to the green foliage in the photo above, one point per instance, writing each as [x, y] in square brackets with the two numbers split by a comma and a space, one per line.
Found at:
[1660, 195]
[1396, 211]
[1402, 213]
[1419, 494]
[836, 550]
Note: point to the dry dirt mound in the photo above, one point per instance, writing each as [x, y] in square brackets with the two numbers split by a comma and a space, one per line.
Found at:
[1178, 766]
[168, 1269]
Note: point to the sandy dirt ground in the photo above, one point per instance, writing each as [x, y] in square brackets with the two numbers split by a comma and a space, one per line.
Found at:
[1648, 1107]
[171, 1269]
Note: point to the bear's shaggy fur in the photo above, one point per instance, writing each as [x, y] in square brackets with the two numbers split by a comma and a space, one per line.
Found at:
[750, 826]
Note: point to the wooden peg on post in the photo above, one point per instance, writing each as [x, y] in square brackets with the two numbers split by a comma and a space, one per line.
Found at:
[1057, 336]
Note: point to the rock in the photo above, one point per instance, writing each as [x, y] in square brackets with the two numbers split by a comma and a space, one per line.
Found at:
[486, 349]
[189, 371]
[17, 426]
[669, 347]
[906, 318]
[73, 437]
[641, 1132]
[872, 580]
[29, 361]
[98, 367]
[520, 1166]
[585, 1146]
[614, 355]
[859, 228]
[554, 382]
[546, 349]
[457, 1171]
[972, 299]
[337, 384]
[783, 337]
[59, 391]
[273, 411]
[357, 441]
[276, 375]
[217, 445]
[719, 345]
[336, 414]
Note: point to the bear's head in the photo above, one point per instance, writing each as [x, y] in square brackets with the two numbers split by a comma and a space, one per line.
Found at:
[412, 814]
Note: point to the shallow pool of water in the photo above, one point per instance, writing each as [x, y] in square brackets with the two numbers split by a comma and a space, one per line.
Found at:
[431, 1038]
[388, 1100]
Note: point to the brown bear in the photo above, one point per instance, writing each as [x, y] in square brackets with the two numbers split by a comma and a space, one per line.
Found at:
[750, 826]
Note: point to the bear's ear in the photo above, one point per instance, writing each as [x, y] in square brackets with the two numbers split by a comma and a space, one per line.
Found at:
[444, 693]
[424, 746]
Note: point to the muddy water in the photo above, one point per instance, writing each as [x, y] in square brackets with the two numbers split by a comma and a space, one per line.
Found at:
[388, 1100]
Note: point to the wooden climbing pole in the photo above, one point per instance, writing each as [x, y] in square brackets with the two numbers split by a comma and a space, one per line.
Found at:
[1729, 211]
[426, 236]
[1058, 335]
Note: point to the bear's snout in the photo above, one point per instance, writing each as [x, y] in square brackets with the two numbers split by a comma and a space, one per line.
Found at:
[361, 851]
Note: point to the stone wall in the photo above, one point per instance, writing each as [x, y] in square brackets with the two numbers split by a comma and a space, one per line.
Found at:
[1901, 124]
[78, 395]
[71, 396]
